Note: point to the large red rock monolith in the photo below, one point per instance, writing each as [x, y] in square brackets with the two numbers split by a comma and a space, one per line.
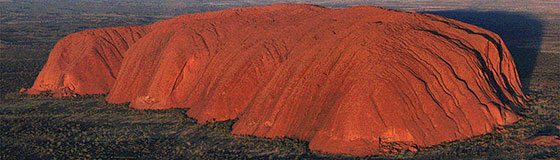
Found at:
[86, 62]
[349, 80]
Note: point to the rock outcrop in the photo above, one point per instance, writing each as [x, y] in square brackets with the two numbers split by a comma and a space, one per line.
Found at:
[352, 80]
[86, 62]
[543, 140]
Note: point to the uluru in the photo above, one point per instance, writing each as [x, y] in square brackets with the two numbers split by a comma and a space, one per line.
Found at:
[349, 81]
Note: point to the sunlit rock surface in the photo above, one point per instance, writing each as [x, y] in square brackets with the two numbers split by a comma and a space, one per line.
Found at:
[350, 81]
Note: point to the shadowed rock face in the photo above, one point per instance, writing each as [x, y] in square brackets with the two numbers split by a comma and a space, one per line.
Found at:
[349, 80]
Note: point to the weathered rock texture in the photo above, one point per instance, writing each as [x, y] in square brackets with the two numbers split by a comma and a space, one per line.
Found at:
[87, 62]
[346, 80]
[543, 140]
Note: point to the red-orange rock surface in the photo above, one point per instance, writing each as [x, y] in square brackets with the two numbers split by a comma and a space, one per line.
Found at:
[347, 80]
[86, 62]
[543, 140]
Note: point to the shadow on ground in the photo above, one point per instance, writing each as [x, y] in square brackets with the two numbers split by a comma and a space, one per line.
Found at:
[521, 33]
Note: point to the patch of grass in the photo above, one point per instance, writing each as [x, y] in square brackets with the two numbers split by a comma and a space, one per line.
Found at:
[41, 127]
[38, 126]
[88, 127]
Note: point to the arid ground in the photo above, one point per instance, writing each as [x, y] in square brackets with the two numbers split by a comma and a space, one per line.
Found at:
[88, 127]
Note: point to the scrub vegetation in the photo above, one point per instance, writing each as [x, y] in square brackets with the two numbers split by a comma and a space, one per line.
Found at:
[40, 126]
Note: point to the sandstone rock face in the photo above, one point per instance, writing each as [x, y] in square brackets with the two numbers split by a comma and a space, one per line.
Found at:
[352, 80]
[86, 62]
[543, 140]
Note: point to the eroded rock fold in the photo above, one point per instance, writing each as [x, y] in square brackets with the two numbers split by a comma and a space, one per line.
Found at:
[346, 80]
